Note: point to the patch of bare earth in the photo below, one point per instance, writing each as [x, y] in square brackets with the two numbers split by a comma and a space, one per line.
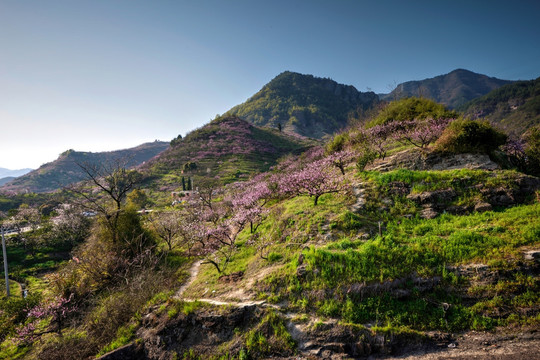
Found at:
[483, 346]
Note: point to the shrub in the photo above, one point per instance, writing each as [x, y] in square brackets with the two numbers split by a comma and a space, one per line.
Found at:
[338, 143]
[463, 136]
[412, 108]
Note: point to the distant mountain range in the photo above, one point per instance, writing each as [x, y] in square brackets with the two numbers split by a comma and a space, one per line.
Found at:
[514, 107]
[6, 179]
[453, 89]
[304, 104]
[13, 173]
[64, 170]
[6, 175]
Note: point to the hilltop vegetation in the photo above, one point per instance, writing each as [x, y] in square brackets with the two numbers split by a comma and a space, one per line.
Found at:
[514, 107]
[305, 105]
[412, 108]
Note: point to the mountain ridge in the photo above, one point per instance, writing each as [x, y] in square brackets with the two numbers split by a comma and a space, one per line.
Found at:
[4, 172]
[452, 89]
[64, 170]
[514, 107]
[226, 149]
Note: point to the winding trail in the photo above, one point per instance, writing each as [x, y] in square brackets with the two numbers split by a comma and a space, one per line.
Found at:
[297, 331]
[193, 272]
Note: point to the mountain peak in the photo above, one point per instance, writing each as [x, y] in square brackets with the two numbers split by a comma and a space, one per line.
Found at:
[453, 89]
[304, 104]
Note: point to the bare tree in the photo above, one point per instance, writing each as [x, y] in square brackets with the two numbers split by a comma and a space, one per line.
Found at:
[106, 189]
[167, 225]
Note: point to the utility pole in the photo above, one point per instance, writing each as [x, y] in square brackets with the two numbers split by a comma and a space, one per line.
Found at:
[5, 261]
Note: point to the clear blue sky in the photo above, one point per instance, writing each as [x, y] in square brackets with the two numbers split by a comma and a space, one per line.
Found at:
[110, 74]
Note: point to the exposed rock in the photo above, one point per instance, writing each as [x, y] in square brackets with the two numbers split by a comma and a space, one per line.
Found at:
[461, 161]
[130, 351]
[231, 278]
[398, 288]
[472, 269]
[301, 271]
[359, 192]
[203, 330]
[457, 209]
[533, 255]
[433, 197]
[418, 159]
[429, 213]
[398, 188]
[483, 206]
[364, 236]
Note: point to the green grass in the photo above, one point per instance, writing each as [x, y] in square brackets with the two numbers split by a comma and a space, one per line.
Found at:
[24, 263]
[124, 335]
[436, 180]
[270, 336]
[413, 246]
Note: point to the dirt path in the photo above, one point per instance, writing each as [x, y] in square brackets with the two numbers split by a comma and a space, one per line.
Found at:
[193, 272]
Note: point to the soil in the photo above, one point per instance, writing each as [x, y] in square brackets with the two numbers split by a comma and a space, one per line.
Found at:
[478, 345]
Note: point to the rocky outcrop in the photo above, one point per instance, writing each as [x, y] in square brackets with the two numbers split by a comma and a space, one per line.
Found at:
[205, 331]
[398, 288]
[418, 159]
[518, 191]
[202, 331]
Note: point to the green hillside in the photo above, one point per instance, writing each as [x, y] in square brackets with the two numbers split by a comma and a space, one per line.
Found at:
[228, 148]
[304, 104]
[514, 107]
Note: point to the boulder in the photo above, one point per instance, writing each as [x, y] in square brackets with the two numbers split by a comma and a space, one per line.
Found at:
[483, 206]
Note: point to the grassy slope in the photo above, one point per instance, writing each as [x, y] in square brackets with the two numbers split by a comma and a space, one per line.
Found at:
[228, 148]
[338, 260]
